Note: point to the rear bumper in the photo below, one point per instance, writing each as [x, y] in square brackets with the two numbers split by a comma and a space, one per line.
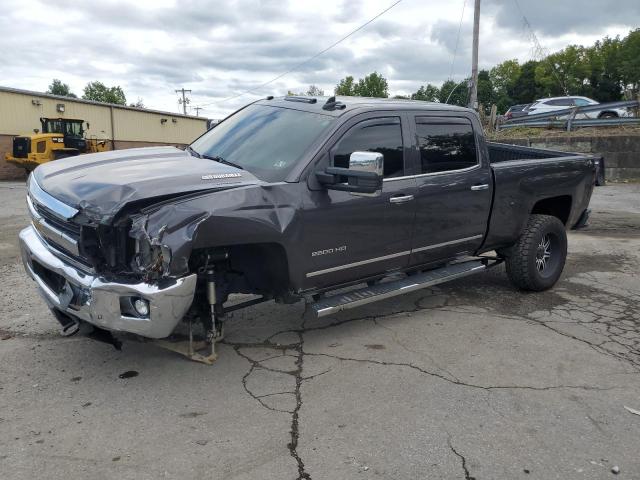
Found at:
[98, 301]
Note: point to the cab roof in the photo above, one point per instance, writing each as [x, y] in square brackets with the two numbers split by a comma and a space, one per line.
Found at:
[338, 105]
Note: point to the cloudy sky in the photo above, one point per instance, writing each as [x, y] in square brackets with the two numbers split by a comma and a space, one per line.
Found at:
[219, 49]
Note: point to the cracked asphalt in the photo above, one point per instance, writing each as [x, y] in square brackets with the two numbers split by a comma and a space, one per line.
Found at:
[470, 380]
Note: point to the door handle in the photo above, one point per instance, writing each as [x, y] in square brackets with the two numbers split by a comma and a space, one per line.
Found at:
[476, 188]
[401, 199]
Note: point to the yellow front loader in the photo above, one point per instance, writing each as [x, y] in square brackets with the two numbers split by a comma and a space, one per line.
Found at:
[60, 137]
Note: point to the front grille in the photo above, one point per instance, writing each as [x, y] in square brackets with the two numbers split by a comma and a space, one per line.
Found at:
[53, 220]
[21, 147]
[67, 226]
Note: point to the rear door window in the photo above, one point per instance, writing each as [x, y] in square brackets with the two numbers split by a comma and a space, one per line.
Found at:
[446, 146]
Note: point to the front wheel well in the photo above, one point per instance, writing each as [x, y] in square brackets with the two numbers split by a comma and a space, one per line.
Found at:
[259, 268]
[559, 207]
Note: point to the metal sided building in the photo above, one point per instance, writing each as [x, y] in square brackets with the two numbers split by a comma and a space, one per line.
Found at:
[121, 126]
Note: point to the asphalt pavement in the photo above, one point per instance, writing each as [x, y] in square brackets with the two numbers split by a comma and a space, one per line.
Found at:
[469, 380]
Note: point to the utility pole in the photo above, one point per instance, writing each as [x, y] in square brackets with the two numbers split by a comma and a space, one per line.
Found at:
[184, 100]
[197, 109]
[473, 97]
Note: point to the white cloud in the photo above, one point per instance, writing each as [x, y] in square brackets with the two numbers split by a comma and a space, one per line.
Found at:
[219, 49]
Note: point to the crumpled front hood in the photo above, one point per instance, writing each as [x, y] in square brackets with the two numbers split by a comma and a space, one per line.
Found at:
[100, 184]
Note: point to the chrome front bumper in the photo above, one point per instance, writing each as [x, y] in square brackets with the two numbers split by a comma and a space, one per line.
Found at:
[97, 301]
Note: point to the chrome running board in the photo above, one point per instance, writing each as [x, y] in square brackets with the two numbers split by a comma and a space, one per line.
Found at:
[355, 298]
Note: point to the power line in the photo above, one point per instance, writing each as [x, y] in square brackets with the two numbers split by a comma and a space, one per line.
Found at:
[455, 51]
[538, 50]
[473, 91]
[296, 67]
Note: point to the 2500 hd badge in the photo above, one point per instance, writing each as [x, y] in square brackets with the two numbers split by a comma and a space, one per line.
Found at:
[329, 251]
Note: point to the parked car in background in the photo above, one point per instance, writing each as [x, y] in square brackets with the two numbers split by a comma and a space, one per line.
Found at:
[545, 105]
[516, 111]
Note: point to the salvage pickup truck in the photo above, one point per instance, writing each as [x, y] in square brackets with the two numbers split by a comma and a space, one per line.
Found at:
[293, 199]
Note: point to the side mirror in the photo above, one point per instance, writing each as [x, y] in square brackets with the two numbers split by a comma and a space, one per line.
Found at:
[364, 175]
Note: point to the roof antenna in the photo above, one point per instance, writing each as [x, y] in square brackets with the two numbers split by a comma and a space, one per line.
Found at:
[333, 104]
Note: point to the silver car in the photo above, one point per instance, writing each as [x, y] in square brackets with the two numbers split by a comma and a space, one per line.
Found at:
[552, 104]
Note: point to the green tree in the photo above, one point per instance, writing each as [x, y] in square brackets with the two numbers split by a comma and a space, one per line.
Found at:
[428, 93]
[315, 91]
[454, 93]
[59, 88]
[525, 89]
[98, 92]
[605, 79]
[504, 76]
[567, 70]
[630, 61]
[346, 87]
[486, 94]
[373, 85]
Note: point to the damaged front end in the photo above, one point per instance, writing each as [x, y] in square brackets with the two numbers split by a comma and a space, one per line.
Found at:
[111, 240]
[118, 277]
[147, 266]
[163, 235]
[152, 258]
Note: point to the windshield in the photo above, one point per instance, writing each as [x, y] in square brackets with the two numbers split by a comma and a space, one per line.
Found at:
[266, 141]
[73, 129]
[66, 127]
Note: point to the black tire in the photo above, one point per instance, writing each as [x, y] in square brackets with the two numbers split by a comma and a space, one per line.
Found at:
[608, 115]
[536, 261]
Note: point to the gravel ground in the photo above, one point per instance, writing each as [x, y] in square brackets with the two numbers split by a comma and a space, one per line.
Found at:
[470, 380]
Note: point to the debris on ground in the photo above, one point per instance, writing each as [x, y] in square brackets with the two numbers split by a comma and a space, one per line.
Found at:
[615, 469]
[631, 410]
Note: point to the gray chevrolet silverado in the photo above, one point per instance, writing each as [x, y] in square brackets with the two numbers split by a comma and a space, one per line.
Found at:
[293, 199]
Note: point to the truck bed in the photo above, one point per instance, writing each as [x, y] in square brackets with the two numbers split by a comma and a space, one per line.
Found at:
[524, 176]
[502, 152]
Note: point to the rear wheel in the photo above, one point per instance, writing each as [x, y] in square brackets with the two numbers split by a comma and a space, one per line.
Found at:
[608, 115]
[536, 261]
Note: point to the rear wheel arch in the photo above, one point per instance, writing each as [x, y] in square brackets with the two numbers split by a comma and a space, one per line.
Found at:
[559, 207]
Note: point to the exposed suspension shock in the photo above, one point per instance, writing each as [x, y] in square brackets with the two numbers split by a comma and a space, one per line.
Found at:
[216, 331]
[203, 349]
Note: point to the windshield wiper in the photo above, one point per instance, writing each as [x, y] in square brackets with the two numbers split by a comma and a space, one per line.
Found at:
[192, 151]
[216, 158]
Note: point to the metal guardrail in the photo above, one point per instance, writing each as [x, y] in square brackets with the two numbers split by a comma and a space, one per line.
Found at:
[552, 119]
[587, 122]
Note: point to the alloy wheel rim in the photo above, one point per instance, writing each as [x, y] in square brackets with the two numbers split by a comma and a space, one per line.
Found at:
[543, 253]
